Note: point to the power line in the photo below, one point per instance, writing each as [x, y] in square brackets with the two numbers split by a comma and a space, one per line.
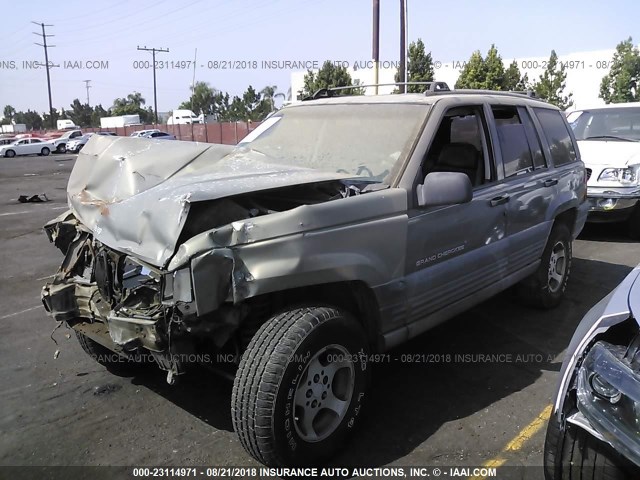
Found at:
[87, 86]
[47, 65]
[155, 97]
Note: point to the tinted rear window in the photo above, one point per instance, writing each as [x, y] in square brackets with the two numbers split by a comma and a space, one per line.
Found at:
[557, 133]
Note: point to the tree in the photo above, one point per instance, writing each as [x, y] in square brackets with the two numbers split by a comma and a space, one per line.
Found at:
[494, 70]
[81, 114]
[513, 80]
[98, 113]
[201, 100]
[622, 82]
[473, 72]
[552, 83]
[269, 94]
[419, 67]
[329, 76]
[131, 105]
[32, 120]
[9, 112]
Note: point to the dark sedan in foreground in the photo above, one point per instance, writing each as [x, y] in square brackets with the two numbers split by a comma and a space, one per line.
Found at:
[594, 431]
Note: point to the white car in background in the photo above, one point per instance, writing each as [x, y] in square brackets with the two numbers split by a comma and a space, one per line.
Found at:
[609, 141]
[27, 146]
[142, 133]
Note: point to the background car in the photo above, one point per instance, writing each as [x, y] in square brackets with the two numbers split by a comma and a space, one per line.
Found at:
[160, 136]
[77, 143]
[594, 430]
[609, 141]
[142, 133]
[7, 141]
[27, 146]
[107, 134]
[60, 144]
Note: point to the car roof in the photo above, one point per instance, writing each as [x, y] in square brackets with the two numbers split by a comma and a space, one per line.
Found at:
[429, 99]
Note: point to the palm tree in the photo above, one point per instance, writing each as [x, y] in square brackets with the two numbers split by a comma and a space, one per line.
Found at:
[268, 93]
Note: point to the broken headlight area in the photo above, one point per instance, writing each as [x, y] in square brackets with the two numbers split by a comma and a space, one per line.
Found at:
[131, 307]
[608, 395]
[98, 284]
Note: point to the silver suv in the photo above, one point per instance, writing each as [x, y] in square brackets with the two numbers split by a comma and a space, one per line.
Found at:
[341, 227]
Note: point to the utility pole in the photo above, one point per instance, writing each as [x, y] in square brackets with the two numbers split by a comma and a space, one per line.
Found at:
[47, 66]
[87, 86]
[403, 48]
[155, 97]
[376, 43]
[406, 44]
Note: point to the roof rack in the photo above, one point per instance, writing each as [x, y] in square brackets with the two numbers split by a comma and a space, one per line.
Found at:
[471, 91]
[329, 92]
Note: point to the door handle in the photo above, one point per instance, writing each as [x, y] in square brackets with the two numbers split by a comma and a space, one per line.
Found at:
[499, 200]
[550, 182]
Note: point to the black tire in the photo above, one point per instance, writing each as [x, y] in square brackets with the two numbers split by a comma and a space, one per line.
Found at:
[62, 148]
[540, 290]
[45, 151]
[112, 361]
[571, 453]
[10, 153]
[265, 415]
[633, 224]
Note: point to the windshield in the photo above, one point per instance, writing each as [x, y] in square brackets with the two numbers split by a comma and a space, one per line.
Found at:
[362, 140]
[616, 124]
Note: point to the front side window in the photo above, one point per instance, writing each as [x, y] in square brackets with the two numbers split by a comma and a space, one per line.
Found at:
[557, 133]
[459, 145]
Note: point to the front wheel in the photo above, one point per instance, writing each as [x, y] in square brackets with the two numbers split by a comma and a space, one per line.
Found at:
[545, 287]
[61, 148]
[10, 153]
[570, 453]
[300, 385]
[45, 151]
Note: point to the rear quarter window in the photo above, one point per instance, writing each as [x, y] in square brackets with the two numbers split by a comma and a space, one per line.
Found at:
[555, 129]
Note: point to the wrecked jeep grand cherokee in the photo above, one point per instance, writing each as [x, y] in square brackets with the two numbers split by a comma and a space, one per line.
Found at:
[339, 227]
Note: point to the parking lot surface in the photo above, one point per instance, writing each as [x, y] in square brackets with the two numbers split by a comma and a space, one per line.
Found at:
[470, 392]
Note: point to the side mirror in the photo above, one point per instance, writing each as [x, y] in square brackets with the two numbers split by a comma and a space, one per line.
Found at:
[444, 188]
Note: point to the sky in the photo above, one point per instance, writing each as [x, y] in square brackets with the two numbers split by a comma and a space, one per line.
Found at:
[233, 38]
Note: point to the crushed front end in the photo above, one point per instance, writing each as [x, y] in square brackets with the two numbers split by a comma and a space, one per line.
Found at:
[128, 306]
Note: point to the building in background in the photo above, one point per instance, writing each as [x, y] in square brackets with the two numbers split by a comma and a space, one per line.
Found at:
[584, 73]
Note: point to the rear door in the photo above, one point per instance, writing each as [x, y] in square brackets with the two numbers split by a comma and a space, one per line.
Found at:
[529, 183]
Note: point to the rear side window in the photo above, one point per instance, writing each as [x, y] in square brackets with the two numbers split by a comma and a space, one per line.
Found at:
[557, 133]
[513, 140]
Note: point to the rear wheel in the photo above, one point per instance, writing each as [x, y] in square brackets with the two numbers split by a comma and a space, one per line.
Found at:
[10, 153]
[299, 387]
[545, 287]
[571, 453]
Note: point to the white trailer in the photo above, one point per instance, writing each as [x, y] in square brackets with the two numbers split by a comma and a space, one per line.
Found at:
[121, 121]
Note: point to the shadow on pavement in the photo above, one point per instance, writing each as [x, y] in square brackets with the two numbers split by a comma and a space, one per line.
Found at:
[606, 232]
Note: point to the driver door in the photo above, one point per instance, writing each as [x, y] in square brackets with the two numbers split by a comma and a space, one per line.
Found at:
[456, 250]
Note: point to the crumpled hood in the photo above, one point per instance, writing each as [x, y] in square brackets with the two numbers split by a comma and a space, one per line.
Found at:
[611, 153]
[134, 193]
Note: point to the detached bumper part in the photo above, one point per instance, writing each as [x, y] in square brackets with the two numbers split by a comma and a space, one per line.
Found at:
[609, 399]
